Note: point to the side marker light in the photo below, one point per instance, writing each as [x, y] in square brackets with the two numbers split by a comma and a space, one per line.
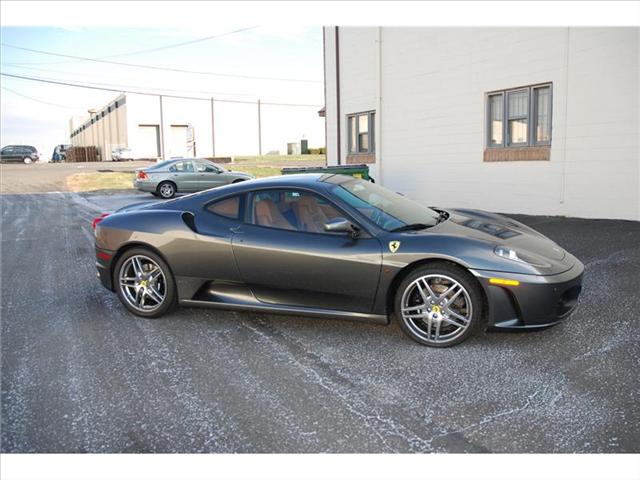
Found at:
[504, 281]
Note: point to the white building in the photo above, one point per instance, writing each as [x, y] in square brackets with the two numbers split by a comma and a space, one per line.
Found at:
[516, 120]
[180, 127]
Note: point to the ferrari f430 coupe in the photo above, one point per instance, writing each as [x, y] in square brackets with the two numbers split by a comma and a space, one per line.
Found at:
[336, 246]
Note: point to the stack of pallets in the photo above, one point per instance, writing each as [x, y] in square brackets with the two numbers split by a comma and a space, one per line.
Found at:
[83, 154]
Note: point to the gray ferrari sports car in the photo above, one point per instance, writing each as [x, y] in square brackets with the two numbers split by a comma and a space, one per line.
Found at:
[336, 246]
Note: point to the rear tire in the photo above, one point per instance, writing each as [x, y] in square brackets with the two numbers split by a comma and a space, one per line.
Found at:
[439, 305]
[167, 190]
[148, 289]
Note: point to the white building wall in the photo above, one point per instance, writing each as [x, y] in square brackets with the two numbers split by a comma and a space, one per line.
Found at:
[330, 91]
[433, 84]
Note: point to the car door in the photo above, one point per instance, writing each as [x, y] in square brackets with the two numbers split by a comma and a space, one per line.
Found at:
[184, 175]
[209, 176]
[9, 154]
[285, 262]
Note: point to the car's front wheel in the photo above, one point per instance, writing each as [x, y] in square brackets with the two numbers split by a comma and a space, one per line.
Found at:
[144, 283]
[439, 305]
[167, 189]
[27, 160]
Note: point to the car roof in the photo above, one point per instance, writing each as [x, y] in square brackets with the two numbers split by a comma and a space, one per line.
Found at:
[20, 146]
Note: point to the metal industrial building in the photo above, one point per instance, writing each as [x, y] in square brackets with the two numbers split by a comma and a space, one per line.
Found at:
[151, 127]
[516, 120]
[166, 126]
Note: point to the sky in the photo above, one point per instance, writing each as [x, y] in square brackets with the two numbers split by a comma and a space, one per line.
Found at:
[38, 114]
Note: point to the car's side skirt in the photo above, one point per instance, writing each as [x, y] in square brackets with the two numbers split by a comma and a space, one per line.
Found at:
[291, 310]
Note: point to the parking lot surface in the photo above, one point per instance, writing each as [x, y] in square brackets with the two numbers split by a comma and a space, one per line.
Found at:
[82, 374]
[39, 177]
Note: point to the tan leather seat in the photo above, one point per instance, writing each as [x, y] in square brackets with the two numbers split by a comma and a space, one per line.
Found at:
[268, 215]
[310, 215]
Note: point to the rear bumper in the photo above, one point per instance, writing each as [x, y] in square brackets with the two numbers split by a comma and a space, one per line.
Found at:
[539, 301]
[145, 186]
[104, 259]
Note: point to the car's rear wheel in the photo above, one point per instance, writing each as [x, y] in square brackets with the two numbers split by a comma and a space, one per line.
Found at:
[439, 305]
[167, 189]
[27, 160]
[144, 283]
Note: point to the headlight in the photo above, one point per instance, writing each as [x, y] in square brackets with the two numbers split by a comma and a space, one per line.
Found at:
[526, 258]
[506, 252]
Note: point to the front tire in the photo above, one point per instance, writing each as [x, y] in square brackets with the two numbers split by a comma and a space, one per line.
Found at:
[167, 190]
[439, 305]
[144, 283]
[27, 160]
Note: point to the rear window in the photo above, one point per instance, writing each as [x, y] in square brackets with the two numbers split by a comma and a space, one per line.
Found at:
[228, 208]
[161, 165]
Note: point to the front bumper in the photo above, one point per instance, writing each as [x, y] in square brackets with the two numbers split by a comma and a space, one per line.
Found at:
[538, 301]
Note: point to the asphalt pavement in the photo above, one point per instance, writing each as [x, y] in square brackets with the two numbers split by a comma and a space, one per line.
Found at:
[18, 178]
[82, 374]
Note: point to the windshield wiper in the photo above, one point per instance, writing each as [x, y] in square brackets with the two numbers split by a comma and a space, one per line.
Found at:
[411, 226]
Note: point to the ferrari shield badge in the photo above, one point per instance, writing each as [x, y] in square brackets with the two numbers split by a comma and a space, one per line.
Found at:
[394, 246]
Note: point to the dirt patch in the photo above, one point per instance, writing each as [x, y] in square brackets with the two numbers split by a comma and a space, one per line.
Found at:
[90, 181]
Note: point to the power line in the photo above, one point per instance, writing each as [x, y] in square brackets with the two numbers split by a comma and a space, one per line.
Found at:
[168, 69]
[37, 100]
[149, 50]
[106, 89]
[116, 85]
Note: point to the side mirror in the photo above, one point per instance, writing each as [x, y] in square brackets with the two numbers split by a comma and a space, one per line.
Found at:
[342, 225]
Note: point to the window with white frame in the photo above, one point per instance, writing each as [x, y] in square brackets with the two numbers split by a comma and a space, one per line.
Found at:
[519, 117]
[360, 133]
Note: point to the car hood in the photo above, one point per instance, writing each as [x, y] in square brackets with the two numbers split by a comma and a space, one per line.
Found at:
[500, 230]
[475, 234]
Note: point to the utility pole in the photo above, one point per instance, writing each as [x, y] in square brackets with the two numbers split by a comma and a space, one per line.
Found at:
[161, 131]
[259, 129]
[213, 132]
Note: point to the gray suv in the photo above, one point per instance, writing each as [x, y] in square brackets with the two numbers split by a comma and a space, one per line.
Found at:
[19, 153]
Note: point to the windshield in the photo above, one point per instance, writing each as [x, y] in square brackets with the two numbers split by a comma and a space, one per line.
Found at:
[387, 209]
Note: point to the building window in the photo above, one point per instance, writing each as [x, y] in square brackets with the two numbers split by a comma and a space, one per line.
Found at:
[542, 114]
[361, 132]
[519, 117]
[495, 127]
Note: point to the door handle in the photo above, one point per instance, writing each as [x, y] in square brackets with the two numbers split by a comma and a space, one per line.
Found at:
[237, 229]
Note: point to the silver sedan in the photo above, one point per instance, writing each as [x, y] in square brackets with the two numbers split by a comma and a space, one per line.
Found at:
[183, 175]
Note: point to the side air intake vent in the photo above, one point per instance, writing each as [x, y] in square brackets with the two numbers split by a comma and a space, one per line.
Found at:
[190, 221]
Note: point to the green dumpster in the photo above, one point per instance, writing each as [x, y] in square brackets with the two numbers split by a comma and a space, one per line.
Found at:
[358, 171]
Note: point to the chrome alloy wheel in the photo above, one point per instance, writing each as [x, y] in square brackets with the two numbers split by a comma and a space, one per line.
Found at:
[436, 308]
[167, 190]
[142, 283]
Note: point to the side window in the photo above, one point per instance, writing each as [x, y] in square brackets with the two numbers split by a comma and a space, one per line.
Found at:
[182, 167]
[205, 168]
[228, 208]
[291, 210]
